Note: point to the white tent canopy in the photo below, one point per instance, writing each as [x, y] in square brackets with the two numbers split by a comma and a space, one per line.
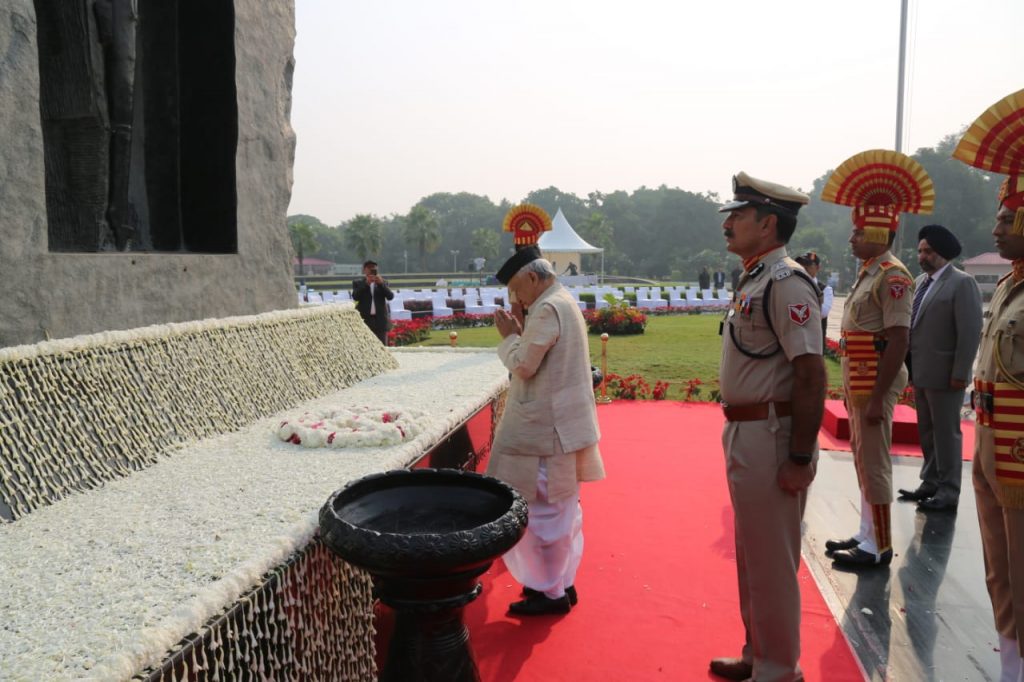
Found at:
[563, 239]
[562, 246]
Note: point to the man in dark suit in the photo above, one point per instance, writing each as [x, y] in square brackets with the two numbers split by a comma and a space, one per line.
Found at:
[371, 294]
[945, 329]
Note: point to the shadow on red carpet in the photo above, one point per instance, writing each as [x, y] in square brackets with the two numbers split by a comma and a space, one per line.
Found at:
[657, 588]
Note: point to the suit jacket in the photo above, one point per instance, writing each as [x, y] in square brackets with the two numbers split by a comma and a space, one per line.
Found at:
[381, 295]
[945, 334]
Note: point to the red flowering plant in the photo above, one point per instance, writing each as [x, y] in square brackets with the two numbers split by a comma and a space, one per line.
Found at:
[461, 321]
[831, 348]
[633, 387]
[907, 397]
[617, 318]
[660, 390]
[407, 332]
[692, 389]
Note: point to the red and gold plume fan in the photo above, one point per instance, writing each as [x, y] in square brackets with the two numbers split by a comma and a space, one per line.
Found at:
[995, 143]
[880, 184]
[527, 223]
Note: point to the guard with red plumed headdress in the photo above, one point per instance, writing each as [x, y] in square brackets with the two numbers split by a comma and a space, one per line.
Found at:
[995, 144]
[879, 185]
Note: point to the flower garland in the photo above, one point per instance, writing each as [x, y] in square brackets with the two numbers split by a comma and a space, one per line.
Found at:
[358, 427]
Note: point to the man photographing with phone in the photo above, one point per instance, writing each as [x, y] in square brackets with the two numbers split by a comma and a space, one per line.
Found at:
[371, 294]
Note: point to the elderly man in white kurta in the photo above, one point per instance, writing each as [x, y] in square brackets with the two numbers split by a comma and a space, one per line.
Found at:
[546, 442]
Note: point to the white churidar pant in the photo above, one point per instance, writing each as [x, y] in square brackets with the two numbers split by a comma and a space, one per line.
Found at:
[548, 555]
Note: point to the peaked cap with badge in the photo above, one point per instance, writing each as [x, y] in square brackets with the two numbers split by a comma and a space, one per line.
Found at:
[751, 191]
[995, 143]
[880, 184]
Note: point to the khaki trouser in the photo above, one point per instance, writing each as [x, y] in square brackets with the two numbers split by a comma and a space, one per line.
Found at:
[870, 444]
[1002, 538]
[767, 523]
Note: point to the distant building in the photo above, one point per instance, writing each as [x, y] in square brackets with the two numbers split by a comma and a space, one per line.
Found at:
[313, 266]
[987, 269]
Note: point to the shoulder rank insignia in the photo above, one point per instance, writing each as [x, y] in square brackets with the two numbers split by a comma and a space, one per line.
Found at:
[781, 270]
[898, 286]
[799, 313]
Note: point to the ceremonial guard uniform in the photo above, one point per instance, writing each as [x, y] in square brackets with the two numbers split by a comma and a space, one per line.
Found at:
[880, 185]
[775, 317]
[995, 143]
[881, 298]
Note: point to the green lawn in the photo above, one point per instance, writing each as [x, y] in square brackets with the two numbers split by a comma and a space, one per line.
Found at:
[674, 348]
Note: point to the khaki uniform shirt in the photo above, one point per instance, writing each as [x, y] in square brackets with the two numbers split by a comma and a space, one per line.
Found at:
[756, 356]
[883, 297]
[1003, 334]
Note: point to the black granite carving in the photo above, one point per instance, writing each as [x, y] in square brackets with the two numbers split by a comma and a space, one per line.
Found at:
[139, 116]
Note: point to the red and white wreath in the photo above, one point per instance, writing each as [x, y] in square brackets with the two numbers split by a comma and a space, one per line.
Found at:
[356, 427]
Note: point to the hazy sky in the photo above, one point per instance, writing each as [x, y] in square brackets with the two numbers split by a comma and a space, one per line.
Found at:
[398, 99]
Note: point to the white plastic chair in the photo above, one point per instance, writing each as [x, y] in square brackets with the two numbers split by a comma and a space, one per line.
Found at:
[398, 311]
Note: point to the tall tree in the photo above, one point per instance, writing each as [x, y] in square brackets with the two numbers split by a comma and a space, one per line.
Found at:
[422, 233]
[302, 241]
[486, 242]
[363, 235]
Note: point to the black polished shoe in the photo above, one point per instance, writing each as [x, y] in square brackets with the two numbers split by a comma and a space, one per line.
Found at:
[732, 668]
[938, 504]
[570, 592]
[539, 605]
[858, 558]
[923, 492]
[836, 545]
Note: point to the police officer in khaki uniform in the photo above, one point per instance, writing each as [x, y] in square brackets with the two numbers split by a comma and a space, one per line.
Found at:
[998, 470]
[773, 391]
[880, 185]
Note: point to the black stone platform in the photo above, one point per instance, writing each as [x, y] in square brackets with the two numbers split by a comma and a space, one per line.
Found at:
[927, 617]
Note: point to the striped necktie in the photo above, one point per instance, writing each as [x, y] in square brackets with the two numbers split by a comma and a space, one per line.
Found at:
[918, 297]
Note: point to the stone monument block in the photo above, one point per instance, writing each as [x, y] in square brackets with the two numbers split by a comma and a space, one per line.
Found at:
[147, 167]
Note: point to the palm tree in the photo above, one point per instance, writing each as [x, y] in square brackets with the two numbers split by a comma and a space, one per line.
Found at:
[303, 241]
[362, 235]
[486, 242]
[422, 233]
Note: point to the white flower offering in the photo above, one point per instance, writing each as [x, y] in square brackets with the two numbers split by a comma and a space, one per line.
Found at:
[357, 427]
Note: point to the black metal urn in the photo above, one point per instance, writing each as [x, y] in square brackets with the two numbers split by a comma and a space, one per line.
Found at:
[425, 535]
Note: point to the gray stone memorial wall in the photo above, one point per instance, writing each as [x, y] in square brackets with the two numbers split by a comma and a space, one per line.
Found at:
[147, 163]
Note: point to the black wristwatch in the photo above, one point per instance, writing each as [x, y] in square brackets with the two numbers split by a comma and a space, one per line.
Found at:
[802, 458]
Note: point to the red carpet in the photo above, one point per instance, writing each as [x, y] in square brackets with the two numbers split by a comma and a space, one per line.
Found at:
[658, 595]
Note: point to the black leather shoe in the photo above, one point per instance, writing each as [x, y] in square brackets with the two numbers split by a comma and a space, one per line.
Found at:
[539, 605]
[836, 545]
[923, 492]
[732, 668]
[570, 592]
[857, 558]
[937, 504]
